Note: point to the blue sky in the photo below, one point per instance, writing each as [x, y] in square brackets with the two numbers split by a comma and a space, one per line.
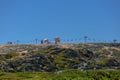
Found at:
[26, 20]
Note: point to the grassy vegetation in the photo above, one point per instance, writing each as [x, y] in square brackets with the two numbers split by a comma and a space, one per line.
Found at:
[63, 75]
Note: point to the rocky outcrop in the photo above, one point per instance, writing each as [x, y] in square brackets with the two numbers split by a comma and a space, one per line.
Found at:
[69, 53]
[55, 58]
[112, 62]
[35, 63]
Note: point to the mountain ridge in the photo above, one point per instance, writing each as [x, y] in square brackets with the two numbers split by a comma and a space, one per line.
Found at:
[47, 57]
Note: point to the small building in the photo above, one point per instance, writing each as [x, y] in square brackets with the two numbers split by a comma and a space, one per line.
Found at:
[46, 41]
[57, 40]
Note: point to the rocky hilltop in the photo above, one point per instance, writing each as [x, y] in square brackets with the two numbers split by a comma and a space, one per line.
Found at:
[20, 58]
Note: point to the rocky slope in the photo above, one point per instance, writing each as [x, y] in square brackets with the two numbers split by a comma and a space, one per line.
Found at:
[17, 58]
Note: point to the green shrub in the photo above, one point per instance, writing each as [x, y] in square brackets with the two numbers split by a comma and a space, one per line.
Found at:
[63, 75]
[8, 55]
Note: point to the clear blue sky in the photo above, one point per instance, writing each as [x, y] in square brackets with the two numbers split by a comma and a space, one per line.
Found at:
[26, 20]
